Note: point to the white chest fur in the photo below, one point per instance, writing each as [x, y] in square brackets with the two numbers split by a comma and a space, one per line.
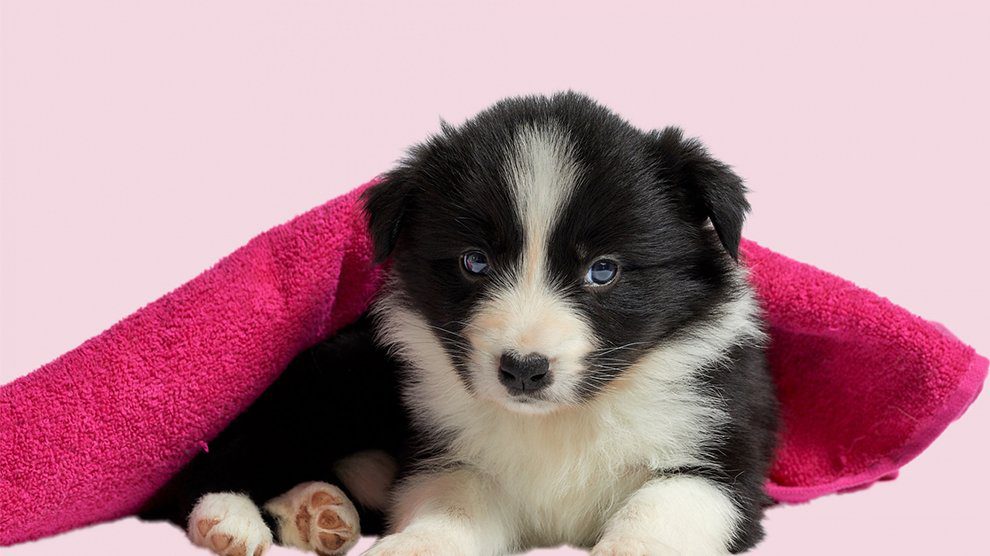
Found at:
[563, 474]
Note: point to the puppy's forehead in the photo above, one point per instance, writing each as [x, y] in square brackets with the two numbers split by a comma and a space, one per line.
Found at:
[578, 193]
[535, 183]
[542, 173]
[500, 184]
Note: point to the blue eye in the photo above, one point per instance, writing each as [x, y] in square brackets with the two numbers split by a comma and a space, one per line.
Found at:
[601, 272]
[475, 262]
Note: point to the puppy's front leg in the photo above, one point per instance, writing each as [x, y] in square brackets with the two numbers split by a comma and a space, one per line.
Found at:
[683, 515]
[446, 513]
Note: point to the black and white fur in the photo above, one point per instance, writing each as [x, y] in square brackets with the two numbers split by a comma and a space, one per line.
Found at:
[652, 420]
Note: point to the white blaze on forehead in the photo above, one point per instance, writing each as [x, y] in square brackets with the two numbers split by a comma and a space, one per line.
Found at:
[542, 172]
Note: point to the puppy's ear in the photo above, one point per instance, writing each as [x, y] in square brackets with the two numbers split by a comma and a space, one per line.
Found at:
[385, 205]
[709, 188]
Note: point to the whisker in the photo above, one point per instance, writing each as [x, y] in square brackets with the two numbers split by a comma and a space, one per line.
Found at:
[616, 348]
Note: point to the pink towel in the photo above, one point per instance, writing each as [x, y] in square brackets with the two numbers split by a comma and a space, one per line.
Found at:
[865, 385]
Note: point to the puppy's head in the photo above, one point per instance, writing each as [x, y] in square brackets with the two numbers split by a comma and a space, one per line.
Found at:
[547, 245]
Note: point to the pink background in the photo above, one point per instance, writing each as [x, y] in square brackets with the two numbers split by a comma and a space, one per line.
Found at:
[141, 141]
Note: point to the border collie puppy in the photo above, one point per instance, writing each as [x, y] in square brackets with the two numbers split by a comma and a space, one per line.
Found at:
[577, 353]
[582, 352]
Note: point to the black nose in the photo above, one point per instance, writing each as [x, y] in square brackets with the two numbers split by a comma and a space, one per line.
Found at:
[524, 373]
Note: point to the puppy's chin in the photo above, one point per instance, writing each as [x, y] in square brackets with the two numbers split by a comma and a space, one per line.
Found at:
[529, 406]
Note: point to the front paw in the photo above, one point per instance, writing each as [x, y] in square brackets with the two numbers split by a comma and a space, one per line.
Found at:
[229, 524]
[628, 546]
[413, 544]
[316, 516]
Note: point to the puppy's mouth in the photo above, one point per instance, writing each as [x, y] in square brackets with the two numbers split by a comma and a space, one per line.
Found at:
[532, 404]
[529, 397]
